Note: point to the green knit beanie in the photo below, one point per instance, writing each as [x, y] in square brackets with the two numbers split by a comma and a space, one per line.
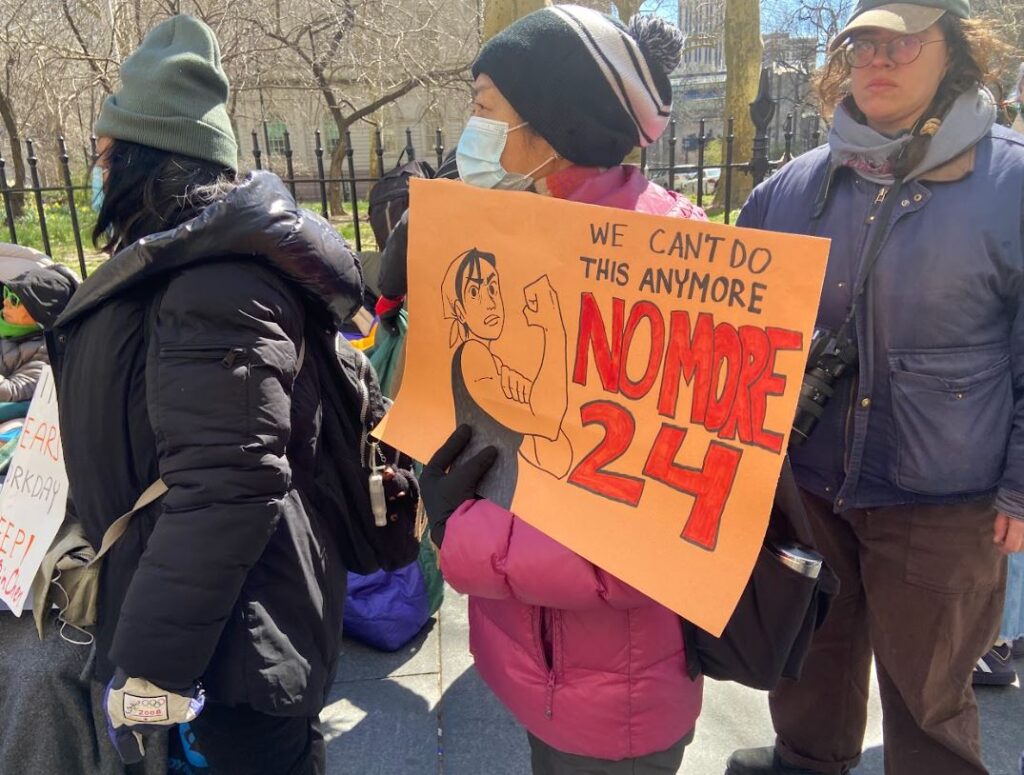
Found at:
[174, 95]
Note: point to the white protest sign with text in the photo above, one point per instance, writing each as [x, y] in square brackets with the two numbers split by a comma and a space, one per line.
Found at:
[34, 495]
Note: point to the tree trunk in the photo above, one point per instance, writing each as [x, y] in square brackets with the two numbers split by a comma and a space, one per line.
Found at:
[627, 9]
[743, 53]
[376, 167]
[498, 14]
[335, 200]
[17, 157]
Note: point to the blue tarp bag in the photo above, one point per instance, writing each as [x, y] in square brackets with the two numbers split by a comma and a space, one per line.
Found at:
[386, 609]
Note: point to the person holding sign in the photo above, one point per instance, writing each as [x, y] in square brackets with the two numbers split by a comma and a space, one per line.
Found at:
[912, 410]
[594, 670]
[196, 356]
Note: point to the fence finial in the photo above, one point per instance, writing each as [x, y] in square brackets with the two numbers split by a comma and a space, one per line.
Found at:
[410, 151]
[762, 109]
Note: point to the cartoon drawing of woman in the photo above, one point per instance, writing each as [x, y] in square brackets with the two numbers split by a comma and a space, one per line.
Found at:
[506, 408]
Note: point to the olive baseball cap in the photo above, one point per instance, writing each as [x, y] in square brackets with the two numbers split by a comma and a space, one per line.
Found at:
[905, 18]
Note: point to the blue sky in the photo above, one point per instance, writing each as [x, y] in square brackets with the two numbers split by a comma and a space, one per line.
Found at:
[669, 9]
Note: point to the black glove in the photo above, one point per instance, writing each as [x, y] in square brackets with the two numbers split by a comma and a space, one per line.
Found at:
[401, 483]
[444, 487]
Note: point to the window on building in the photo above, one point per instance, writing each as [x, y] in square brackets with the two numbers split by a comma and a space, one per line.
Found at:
[330, 137]
[275, 137]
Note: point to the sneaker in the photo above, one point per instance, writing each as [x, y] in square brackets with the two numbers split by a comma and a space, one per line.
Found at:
[761, 761]
[995, 667]
[1018, 648]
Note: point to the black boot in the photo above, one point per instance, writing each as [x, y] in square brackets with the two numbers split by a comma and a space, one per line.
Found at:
[761, 761]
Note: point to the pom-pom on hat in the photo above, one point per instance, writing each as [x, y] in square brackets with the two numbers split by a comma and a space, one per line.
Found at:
[589, 85]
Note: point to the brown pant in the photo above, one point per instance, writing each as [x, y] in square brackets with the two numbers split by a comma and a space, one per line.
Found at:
[922, 588]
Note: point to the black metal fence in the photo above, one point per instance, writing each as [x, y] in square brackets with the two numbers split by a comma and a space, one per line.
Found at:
[348, 184]
[759, 165]
[14, 197]
[700, 180]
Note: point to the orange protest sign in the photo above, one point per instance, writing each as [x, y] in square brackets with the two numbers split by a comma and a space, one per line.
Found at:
[639, 375]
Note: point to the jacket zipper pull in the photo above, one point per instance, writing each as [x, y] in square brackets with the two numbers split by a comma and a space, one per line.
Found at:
[883, 192]
[233, 357]
[550, 694]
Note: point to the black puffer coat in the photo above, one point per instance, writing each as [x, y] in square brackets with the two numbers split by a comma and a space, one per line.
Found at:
[178, 359]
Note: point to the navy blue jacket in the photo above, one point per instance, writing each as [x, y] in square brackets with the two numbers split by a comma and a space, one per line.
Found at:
[935, 412]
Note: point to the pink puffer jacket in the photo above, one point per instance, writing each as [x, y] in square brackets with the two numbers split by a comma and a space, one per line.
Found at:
[584, 661]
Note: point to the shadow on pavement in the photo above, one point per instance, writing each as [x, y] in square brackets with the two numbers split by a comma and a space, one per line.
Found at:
[380, 717]
[480, 735]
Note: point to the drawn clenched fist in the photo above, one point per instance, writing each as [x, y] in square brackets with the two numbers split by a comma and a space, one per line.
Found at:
[542, 308]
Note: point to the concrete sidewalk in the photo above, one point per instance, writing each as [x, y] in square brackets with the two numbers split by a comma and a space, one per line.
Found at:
[425, 710]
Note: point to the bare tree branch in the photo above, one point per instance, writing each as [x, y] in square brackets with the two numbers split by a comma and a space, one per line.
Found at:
[100, 74]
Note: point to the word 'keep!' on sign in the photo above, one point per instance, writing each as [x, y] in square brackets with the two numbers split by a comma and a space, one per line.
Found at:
[638, 374]
[34, 496]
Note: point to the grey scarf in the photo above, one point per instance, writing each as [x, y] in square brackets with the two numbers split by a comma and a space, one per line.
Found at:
[870, 153]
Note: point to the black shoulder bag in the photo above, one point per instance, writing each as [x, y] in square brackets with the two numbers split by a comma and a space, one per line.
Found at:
[769, 633]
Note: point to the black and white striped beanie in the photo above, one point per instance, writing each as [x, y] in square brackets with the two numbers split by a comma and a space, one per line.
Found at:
[592, 87]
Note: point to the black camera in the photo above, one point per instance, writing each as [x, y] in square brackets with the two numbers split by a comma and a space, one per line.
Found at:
[831, 357]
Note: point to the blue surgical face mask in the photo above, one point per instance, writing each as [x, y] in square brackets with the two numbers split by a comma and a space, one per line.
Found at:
[96, 183]
[479, 156]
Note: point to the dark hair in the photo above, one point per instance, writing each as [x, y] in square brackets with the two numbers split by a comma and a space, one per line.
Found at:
[973, 52]
[471, 263]
[148, 190]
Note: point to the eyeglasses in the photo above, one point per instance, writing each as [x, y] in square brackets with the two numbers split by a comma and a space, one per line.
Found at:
[11, 297]
[860, 52]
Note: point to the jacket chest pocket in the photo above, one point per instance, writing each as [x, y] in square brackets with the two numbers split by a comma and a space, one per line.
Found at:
[951, 431]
